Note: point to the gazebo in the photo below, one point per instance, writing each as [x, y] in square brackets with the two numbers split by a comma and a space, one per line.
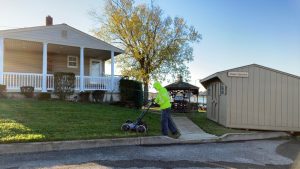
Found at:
[181, 93]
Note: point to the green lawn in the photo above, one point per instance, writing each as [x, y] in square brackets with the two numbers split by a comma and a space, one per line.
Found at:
[31, 120]
[210, 126]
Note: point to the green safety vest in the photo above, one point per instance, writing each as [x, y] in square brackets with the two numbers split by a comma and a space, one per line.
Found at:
[162, 98]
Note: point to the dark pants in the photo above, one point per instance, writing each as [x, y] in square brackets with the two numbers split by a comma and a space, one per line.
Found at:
[166, 122]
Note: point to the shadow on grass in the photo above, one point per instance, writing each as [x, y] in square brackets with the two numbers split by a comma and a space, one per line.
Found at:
[32, 120]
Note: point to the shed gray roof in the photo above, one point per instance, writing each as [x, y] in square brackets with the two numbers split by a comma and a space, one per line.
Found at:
[217, 74]
[53, 34]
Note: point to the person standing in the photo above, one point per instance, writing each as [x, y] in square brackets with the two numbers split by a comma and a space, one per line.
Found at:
[163, 99]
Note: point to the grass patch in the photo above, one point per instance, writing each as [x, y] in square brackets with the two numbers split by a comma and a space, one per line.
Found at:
[30, 120]
[210, 126]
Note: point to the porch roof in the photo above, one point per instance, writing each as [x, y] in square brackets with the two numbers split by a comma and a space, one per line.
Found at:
[55, 49]
[61, 34]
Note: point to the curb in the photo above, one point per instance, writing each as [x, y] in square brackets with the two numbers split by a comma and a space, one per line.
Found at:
[65, 145]
[251, 136]
[155, 140]
[83, 144]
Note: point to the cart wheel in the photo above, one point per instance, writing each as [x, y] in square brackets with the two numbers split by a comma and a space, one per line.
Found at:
[125, 127]
[146, 126]
[141, 129]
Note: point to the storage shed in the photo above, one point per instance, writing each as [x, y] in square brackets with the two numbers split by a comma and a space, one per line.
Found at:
[254, 97]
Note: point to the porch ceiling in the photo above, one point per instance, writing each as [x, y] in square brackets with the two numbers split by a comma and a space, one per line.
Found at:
[29, 46]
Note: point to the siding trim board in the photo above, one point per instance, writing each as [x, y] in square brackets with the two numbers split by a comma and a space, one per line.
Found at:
[265, 100]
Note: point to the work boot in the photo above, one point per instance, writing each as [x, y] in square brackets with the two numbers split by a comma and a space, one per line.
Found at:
[175, 135]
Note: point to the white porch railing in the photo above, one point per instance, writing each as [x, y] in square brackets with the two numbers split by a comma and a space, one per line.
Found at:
[101, 83]
[14, 81]
[77, 82]
[50, 82]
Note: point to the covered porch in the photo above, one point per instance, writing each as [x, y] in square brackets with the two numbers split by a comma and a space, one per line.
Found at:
[32, 63]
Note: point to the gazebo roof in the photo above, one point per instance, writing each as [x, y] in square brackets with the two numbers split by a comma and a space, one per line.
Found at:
[180, 85]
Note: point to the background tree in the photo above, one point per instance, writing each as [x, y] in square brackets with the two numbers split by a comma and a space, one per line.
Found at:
[156, 46]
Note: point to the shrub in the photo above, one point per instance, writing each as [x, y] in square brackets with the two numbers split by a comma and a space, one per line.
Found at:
[44, 96]
[2, 91]
[98, 95]
[84, 96]
[131, 90]
[27, 91]
[64, 84]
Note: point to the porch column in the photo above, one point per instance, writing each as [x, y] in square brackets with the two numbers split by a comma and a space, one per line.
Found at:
[81, 69]
[45, 57]
[1, 59]
[112, 55]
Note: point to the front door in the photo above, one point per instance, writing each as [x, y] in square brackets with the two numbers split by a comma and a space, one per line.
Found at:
[95, 68]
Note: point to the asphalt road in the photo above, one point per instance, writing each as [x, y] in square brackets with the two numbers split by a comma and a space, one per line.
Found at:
[264, 154]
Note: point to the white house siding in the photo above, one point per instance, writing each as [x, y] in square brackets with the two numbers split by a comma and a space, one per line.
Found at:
[23, 62]
[31, 62]
[60, 64]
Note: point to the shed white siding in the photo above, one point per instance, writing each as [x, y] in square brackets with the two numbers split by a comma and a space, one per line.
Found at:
[267, 99]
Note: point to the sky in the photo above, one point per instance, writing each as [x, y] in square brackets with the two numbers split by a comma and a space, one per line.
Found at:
[235, 32]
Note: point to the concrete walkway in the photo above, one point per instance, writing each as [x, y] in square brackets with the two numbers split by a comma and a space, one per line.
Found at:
[189, 130]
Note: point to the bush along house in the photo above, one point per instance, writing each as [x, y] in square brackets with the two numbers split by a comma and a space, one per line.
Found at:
[254, 97]
[30, 57]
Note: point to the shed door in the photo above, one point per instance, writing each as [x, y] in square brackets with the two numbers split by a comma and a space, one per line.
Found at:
[215, 101]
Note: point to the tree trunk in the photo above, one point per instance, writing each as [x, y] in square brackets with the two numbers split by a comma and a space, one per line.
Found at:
[146, 94]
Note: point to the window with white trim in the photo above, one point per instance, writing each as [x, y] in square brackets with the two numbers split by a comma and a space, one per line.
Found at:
[72, 62]
[223, 89]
